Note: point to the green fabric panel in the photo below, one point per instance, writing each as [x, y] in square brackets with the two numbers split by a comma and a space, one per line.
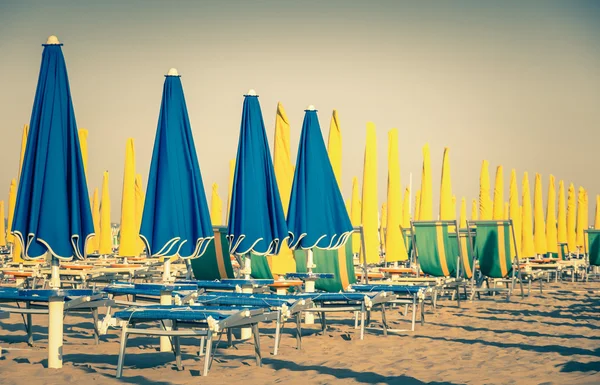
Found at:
[487, 251]
[469, 250]
[260, 267]
[408, 242]
[594, 247]
[327, 261]
[206, 267]
[564, 251]
[428, 249]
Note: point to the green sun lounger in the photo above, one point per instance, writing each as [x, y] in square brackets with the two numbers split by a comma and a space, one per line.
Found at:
[593, 253]
[215, 263]
[339, 262]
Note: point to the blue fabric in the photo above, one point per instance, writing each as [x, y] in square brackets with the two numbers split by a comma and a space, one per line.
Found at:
[317, 215]
[52, 211]
[228, 300]
[176, 218]
[310, 275]
[166, 287]
[256, 220]
[243, 281]
[214, 285]
[42, 295]
[186, 313]
[337, 297]
[132, 290]
[396, 289]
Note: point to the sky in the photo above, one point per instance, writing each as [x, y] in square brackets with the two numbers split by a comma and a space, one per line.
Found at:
[513, 82]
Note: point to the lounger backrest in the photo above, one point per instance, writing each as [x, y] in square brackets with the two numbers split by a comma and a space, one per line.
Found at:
[215, 263]
[563, 251]
[437, 253]
[261, 269]
[407, 234]
[466, 253]
[593, 246]
[491, 247]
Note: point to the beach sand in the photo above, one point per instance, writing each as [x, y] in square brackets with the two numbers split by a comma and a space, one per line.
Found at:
[552, 338]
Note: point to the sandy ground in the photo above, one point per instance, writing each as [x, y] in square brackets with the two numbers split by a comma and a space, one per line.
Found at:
[549, 339]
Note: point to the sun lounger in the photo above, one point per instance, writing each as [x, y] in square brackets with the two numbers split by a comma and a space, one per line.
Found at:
[593, 254]
[215, 263]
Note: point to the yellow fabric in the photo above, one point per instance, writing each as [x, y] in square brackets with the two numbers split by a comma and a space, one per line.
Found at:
[334, 147]
[94, 242]
[474, 209]
[442, 250]
[105, 241]
[139, 211]
[395, 249]
[580, 217]
[17, 250]
[216, 206]
[514, 212]
[382, 224]
[426, 201]
[355, 215]
[571, 219]
[462, 218]
[345, 280]
[506, 211]
[498, 208]
[406, 209]
[23, 147]
[485, 202]
[502, 250]
[2, 226]
[562, 214]
[527, 243]
[551, 227]
[539, 225]
[83, 144]
[418, 206]
[370, 206]
[597, 216]
[284, 262]
[231, 175]
[447, 210]
[128, 234]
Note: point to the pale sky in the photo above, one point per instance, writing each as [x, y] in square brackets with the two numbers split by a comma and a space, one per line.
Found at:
[516, 84]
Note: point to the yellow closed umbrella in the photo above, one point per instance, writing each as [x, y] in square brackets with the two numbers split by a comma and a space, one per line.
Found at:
[485, 202]
[334, 147]
[585, 215]
[418, 206]
[498, 208]
[426, 201]
[94, 242]
[105, 241]
[24, 136]
[382, 224]
[527, 243]
[506, 211]
[562, 214]
[139, 210]
[370, 207]
[580, 218]
[539, 225]
[474, 209]
[128, 234]
[395, 249]
[551, 228]
[17, 250]
[231, 176]
[462, 217]
[355, 212]
[83, 144]
[514, 212]
[597, 216]
[2, 226]
[447, 210]
[406, 209]
[571, 219]
[216, 206]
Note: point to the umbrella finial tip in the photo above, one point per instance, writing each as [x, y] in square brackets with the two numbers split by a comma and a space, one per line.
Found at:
[251, 92]
[310, 107]
[173, 72]
[52, 39]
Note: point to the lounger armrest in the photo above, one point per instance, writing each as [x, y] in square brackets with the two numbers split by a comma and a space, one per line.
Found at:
[77, 302]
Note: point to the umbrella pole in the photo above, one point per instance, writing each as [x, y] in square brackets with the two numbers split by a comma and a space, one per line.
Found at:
[56, 306]
[247, 266]
[55, 274]
[309, 286]
[167, 269]
[165, 341]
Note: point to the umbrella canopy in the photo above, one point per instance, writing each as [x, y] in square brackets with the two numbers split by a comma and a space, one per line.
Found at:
[355, 213]
[334, 146]
[527, 242]
[216, 206]
[462, 218]
[514, 212]
[2, 226]
[256, 219]
[474, 209]
[395, 249]
[317, 216]
[539, 226]
[369, 205]
[597, 215]
[498, 208]
[105, 241]
[10, 238]
[580, 217]
[94, 243]
[52, 212]
[447, 210]
[128, 232]
[426, 200]
[230, 186]
[417, 205]
[571, 219]
[176, 220]
[551, 229]
[139, 210]
[562, 214]
[485, 202]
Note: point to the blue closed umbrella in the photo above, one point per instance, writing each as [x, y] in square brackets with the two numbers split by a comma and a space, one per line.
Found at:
[176, 220]
[256, 220]
[52, 212]
[317, 216]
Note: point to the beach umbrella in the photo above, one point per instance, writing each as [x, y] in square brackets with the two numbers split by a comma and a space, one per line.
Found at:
[382, 224]
[514, 212]
[474, 209]
[256, 219]
[94, 243]
[426, 201]
[105, 238]
[284, 173]
[230, 188]
[571, 219]
[176, 219]
[585, 214]
[370, 207]
[562, 214]
[139, 211]
[128, 233]
[216, 207]
[355, 211]
[498, 207]
[10, 238]
[506, 211]
[462, 217]
[334, 146]
[551, 228]
[406, 209]
[597, 216]
[447, 210]
[527, 240]
[539, 226]
[485, 202]
[395, 249]
[417, 206]
[2, 226]
[24, 136]
[580, 217]
[83, 143]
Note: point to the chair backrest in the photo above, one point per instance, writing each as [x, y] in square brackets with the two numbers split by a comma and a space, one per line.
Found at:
[563, 251]
[593, 246]
[436, 251]
[491, 247]
[407, 235]
[466, 252]
[215, 263]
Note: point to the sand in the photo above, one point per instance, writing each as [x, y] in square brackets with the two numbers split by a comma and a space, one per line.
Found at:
[552, 338]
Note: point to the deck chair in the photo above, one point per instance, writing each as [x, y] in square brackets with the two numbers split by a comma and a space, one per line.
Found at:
[492, 252]
[593, 253]
[215, 263]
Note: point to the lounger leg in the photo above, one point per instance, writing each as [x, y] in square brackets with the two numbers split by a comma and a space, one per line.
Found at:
[356, 314]
[29, 327]
[362, 323]
[277, 333]
[177, 349]
[298, 331]
[414, 313]
[229, 337]
[95, 320]
[201, 350]
[405, 309]
[384, 320]
[257, 344]
[422, 313]
[458, 295]
[207, 354]
[323, 322]
[122, 348]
